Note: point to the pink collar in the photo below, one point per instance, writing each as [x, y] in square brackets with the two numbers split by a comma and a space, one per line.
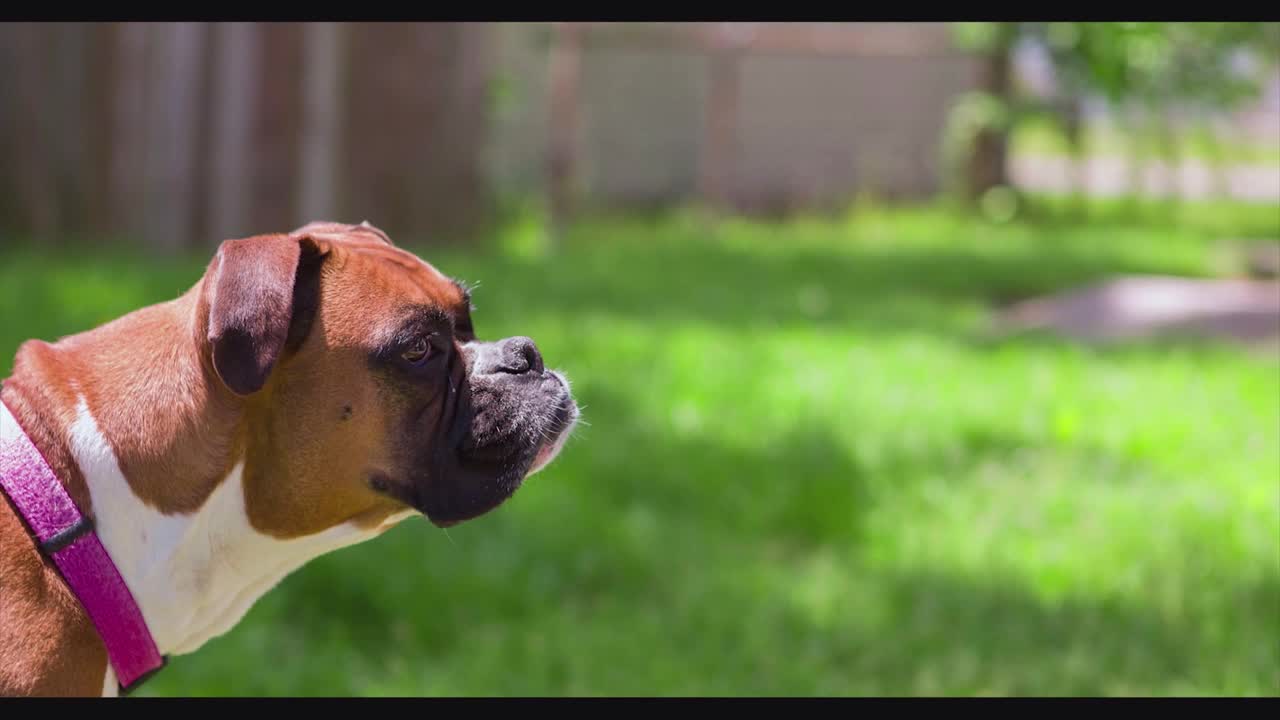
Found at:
[67, 537]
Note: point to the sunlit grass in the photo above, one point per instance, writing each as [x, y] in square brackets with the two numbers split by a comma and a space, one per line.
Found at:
[1043, 138]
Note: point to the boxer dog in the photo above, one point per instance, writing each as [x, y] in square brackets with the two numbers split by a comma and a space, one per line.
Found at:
[311, 391]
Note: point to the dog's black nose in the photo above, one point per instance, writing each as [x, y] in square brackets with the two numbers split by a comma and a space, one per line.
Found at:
[525, 356]
[519, 355]
[512, 356]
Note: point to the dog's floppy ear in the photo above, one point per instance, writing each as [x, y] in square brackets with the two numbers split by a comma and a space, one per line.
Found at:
[261, 292]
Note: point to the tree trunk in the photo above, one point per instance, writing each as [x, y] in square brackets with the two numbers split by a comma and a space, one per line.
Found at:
[1135, 128]
[1073, 129]
[988, 163]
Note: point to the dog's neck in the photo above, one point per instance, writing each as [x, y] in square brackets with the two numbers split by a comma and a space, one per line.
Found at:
[160, 452]
[194, 575]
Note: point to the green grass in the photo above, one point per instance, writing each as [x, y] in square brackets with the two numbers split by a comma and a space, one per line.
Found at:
[1043, 138]
[1213, 219]
[807, 471]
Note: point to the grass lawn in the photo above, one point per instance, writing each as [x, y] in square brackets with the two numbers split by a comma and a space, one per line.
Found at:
[1042, 138]
[806, 472]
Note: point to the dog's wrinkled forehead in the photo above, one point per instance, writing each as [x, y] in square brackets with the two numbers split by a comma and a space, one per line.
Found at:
[380, 284]
[341, 231]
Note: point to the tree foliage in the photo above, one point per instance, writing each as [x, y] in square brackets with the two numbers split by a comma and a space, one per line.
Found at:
[1154, 63]
[1146, 66]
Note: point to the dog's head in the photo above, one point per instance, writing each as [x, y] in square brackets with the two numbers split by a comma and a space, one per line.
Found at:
[366, 391]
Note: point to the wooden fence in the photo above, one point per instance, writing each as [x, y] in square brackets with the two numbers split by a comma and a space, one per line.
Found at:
[184, 134]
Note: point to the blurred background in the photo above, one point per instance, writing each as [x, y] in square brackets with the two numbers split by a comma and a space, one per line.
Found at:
[917, 358]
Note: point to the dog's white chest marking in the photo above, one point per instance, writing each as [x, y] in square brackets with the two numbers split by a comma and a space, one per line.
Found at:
[193, 576]
[110, 688]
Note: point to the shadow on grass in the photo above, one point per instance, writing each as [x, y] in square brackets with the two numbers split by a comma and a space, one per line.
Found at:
[613, 519]
[719, 622]
[964, 635]
[1264, 346]
[658, 563]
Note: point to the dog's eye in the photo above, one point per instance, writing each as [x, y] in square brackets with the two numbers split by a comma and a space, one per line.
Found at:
[418, 352]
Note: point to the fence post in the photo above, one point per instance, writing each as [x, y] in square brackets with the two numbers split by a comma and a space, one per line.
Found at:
[565, 72]
[129, 129]
[174, 110]
[237, 67]
[324, 53]
[36, 183]
[719, 138]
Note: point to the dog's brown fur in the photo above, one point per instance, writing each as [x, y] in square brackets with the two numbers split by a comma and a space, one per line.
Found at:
[176, 424]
